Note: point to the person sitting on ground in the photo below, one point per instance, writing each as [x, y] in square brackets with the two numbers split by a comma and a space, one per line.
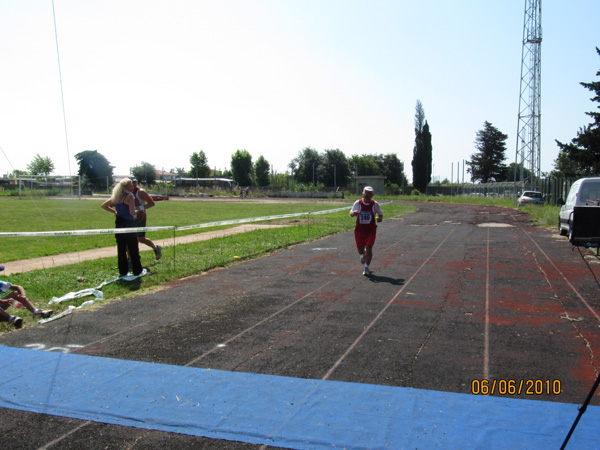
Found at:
[17, 298]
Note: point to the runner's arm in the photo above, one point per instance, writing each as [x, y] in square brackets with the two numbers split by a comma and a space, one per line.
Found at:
[377, 209]
[130, 202]
[148, 199]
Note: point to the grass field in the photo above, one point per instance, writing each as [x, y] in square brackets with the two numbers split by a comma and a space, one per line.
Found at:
[191, 259]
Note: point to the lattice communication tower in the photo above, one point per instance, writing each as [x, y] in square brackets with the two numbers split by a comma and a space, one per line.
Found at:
[528, 152]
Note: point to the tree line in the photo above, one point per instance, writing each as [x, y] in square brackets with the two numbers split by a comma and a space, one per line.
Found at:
[329, 168]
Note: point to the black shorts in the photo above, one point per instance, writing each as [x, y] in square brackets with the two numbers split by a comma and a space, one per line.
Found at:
[140, 223]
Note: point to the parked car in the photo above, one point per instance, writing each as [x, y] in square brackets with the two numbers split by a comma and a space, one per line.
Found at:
[158, 197]
[530, 197]
[584, 192]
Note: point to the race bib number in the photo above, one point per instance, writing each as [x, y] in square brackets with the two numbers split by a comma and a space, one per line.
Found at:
[364, 217]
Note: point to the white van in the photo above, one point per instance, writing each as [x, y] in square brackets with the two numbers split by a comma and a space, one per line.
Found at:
[584, 192]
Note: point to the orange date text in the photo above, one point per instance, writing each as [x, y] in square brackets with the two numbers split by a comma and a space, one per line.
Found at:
[516, 387]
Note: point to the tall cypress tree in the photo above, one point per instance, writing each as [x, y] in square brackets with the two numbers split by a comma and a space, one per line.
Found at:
[423, 151]
[427, 153]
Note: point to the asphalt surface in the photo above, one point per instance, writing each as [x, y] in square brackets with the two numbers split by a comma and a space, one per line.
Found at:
[460, 293]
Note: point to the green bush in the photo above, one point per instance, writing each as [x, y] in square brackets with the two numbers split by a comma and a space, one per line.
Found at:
[392, 189]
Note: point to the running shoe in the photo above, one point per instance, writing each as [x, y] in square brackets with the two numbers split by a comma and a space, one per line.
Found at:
[367, 272]
[158, 252]
[362, 259]
[42, 313]
[16, 321]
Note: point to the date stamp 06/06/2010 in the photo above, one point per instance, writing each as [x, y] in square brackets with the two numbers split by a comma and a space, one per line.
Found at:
[516, 387]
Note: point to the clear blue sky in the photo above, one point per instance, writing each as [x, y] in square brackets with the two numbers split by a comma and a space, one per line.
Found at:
[155, 81]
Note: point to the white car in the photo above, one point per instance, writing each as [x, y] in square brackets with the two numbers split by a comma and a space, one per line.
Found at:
[584, 192]
[530, 198]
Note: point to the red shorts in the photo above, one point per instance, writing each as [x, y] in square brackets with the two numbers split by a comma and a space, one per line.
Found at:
[364, 238]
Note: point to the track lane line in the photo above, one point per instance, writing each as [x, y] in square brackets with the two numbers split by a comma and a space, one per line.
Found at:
[573, 288]
[285, 308]
[359, 338]
[384, 309]
[233, 338]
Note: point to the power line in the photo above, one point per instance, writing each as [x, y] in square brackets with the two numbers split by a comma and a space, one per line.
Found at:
[62, 97]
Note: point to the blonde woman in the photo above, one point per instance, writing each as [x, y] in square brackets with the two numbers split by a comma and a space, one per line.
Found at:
[122, 205]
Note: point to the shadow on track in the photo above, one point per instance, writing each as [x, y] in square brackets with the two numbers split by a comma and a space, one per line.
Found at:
[380, 279]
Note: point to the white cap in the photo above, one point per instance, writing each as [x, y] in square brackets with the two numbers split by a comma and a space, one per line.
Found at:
[368, 188]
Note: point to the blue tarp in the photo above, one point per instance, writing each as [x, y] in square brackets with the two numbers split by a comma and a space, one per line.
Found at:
[281, 411]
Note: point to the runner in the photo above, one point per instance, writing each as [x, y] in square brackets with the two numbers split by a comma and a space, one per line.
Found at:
[143, 201]
[365, 210]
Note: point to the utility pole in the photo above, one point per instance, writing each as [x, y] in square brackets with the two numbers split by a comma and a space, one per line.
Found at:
[528, 153]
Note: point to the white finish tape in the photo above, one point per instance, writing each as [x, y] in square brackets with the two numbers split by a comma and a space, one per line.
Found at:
[146, 229]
